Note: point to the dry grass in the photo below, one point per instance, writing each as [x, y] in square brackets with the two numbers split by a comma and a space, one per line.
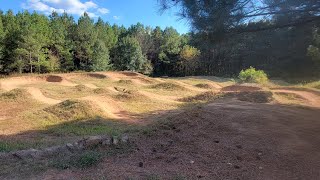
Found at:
[74, 109]
[203, 97]
[254, 97]
[169, 87]
[16, 95]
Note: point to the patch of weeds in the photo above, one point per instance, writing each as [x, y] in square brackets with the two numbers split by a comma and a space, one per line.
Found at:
[255, 97]
[15, 95]
[179, 177]
[82, 160]
[73, 109]
[11, 146]
[168, 86]
[203, 97]
[153, 177]
[88, 127]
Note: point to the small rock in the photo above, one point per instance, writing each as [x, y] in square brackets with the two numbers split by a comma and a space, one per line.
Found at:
[115, 140]
[140, 164]
[239, 158]
[260, 167]
[260, 154]
[93, 141]
[26, 154]
[200, 176]
[106, 141]
[236, 167]
[192, 162]
[124, 138]
[217, 141]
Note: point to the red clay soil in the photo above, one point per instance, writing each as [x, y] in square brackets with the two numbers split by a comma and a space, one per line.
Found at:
[53, 78]
[228, 139]
[97, 75]
[238, 88]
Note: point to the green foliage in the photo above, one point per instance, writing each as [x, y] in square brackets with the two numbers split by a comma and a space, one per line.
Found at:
[128, 55]
[252, 75]
[82, 160]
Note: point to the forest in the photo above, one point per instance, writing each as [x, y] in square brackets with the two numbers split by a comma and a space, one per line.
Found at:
[36, 43]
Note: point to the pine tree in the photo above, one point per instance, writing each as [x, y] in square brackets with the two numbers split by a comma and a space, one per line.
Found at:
[100, 59]
[129, 55]
[84, 37]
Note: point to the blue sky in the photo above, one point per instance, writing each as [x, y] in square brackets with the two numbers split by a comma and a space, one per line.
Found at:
[122, 12]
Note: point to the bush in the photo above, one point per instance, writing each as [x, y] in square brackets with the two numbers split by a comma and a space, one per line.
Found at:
[252, 75]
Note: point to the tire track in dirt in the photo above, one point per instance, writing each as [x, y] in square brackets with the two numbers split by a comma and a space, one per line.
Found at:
[38, 95]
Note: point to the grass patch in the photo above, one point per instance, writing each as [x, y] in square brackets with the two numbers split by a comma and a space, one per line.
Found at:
[203, 97]
[125, 82]
[82, 88]
[255, 97]
[289, 96]
[15, 95]
[204, 86]
[73, 109]
[100, 91]
[168, 86]
[89, 127]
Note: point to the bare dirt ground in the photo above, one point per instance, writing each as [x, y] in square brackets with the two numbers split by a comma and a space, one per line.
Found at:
[221, 139]
[228, 139]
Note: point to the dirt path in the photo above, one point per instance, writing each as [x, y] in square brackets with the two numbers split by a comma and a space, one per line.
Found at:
[37, 94]
[311, 99]
[92, 86]
[110, 107]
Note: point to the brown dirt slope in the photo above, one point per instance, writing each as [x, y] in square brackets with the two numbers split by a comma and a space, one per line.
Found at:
[228, 139]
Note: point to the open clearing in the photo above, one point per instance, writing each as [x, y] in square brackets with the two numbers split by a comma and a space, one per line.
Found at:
[180, 128]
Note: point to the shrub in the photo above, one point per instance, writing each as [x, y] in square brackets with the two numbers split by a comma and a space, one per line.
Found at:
[252, 75]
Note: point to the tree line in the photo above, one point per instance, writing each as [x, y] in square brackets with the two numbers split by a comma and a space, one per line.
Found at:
[281, 37]
[35, 43]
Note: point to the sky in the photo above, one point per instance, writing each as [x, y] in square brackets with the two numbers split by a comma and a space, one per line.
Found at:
[121, 12]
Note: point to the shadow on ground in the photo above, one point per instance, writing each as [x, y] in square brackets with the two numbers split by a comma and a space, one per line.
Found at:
[226, 139]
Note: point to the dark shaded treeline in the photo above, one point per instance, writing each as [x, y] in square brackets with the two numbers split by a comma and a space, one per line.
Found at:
[31, 42]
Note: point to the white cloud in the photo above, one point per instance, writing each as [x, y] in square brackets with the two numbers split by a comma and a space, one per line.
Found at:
[116, 17]
[103, 10]
[75, 7]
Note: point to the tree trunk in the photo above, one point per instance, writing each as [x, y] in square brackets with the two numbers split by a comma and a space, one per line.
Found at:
[30, 61]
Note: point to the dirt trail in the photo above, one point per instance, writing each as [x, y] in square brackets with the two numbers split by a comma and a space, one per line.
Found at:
[172, 99]
[92, 86]
[311, 99]
[109, 106]
[37, 94]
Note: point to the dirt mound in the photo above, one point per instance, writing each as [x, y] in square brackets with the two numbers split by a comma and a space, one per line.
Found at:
[130, 95]
[206, 86]
[125, 82]
[290, 96]
[255, 97]
[39, 96]
[168, 86]
[100, 91]
[82, 88]
[128, 73]
[242, 88]
[145, 80]
[54, 78]
[203, 97]
[15, 95]
[73, 110]
[97, 75]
